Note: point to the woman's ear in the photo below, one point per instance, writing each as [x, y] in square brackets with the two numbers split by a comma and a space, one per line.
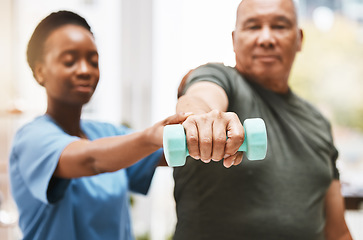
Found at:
[38, 73]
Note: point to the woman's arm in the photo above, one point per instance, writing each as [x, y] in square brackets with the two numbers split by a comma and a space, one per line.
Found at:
[86, 158]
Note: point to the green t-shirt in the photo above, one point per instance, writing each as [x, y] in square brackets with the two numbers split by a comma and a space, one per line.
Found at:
[280, 197]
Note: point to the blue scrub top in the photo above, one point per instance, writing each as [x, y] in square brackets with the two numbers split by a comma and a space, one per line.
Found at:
[95, 207]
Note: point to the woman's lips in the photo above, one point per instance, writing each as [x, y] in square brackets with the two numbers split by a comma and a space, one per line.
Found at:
[84, 88]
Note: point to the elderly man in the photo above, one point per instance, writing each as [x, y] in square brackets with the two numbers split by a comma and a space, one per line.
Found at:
[295, 192]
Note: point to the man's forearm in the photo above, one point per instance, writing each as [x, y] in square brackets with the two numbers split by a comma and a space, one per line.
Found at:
[192, 104]
[203, 97]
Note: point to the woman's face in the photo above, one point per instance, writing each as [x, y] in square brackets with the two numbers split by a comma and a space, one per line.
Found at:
[69, 69]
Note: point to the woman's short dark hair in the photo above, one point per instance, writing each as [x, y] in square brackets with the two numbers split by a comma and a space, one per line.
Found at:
[45, 28]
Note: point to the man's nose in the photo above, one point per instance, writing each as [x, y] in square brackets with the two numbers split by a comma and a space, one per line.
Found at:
[266, 38]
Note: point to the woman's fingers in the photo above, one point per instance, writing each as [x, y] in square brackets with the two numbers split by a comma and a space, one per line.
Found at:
[177, 118]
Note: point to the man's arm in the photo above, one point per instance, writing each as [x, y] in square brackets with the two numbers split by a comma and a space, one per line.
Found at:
[207, 130]
[335, 227]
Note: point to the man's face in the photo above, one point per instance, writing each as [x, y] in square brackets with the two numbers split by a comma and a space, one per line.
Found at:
[266, 39]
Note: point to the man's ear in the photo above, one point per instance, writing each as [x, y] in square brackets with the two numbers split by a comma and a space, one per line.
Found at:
[301, 38]
[233, 39]
[38, 73]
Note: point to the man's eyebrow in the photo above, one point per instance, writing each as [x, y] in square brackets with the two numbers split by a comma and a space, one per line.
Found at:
[277, 18]
[283, 19]
[251, 20]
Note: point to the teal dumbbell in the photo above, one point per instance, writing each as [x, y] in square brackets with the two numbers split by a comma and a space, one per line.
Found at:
[176, 151]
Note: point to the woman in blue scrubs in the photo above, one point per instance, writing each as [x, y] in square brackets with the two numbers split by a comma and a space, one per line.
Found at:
[70, 177]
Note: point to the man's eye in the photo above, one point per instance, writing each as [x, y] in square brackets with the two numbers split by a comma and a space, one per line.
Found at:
[278, 27]
[254, 27]
[68, 63]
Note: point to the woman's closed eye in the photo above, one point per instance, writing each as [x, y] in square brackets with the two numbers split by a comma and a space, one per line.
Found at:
[68, 60]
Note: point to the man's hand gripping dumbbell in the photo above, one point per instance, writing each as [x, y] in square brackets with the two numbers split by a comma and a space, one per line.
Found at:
[254, 144]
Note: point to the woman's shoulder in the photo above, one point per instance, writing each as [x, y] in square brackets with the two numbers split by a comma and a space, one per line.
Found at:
[104, 128]
[39, 124]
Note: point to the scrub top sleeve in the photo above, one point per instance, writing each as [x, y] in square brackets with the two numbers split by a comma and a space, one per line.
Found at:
[141, 173]
[123, 130]
[37, 148]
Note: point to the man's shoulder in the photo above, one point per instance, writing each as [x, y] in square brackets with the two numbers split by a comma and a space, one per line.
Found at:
[218, 66]
[317, 113]
[214, 72]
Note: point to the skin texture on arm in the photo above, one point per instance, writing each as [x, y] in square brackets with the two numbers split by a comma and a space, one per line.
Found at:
[335, 227]
[203, 97]
[86, 158]
[206, 130]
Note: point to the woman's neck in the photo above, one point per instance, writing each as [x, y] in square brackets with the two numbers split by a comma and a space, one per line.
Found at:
[68, 119]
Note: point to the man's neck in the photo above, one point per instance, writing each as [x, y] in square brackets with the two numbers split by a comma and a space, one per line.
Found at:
[278, 83]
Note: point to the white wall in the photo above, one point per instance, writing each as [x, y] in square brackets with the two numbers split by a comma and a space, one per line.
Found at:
[187, 34]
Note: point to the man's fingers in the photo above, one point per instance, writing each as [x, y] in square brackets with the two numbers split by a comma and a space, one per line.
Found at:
[233, 160]
[238, 159]
[192, 137]
[235, 134]
[205, 141]
[206, 136]
[219, 140]
[229, 161]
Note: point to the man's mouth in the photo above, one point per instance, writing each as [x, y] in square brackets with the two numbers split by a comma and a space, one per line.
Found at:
[268, 58]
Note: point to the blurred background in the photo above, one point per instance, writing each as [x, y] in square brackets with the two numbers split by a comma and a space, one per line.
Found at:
[147, 46]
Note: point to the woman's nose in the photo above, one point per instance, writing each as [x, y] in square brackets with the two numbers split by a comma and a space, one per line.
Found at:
[84, 68]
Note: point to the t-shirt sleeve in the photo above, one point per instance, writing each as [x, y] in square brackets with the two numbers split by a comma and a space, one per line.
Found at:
[211, 72]
[332, 150]
[334, 155]
[334, 158]
[36, 150]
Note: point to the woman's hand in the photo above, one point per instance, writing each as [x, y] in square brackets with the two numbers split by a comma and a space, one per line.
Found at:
[155, 132]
